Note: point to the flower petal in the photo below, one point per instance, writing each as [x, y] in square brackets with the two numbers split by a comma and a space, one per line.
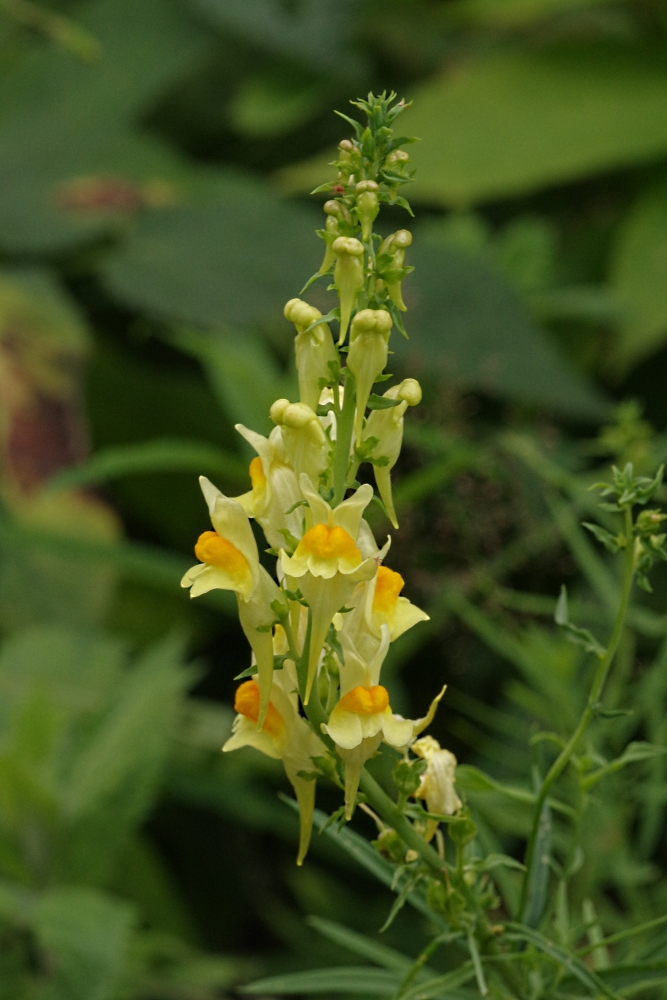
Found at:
[344, 728]
[397, 732]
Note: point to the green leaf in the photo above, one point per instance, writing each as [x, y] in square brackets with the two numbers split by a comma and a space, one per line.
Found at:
[227, 259]
[537, 876]
[579, 636]
[167, 455]
[62, 120]
[376, 402]
[361, 945]
[86, 934]
[591, 980]
[638, 275]
[468, 325]
[611, 542]
[643, 974]
[369, 982]
[443, 986]
[514, 13]
[632, 754]
[558, 113]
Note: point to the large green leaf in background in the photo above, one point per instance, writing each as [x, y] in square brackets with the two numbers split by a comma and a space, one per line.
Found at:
[62, 120]
[468, 323]
[639, 276]
[518, 120]
[234, 259]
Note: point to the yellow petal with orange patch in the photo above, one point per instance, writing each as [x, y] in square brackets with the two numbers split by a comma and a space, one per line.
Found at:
[214, 550]
[365, 701]
[246, 703]
[325, 542]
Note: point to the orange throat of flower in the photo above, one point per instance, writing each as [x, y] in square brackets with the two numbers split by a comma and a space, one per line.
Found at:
[246, 703]
[325, 542]
[214, 550]
[257, 477]
[387, 588]
[365, 701]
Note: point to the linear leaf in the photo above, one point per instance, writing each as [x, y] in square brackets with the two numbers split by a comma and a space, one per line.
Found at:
[345, 979]
[590, 979]
[361, 945]
[162, 455]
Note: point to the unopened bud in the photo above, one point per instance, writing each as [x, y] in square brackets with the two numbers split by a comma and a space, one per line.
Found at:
[386, 426]
[398, 157]
[369, 346]
[303, 437]
[395, 245]
[314, 349]
[277, 410]
[297, 415]
[338, 210]
[368, 206]
[348, 277]
[410, 391]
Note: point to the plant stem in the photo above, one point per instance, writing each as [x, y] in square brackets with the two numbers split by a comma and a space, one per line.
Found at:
[344, 426]
[388, 810]
[596, 692]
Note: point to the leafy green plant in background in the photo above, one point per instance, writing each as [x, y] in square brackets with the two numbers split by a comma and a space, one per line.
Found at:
[129, 177]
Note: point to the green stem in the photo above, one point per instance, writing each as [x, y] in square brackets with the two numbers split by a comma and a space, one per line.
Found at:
[388, 810]
[344, 428]
[601, 674]
[419, 963]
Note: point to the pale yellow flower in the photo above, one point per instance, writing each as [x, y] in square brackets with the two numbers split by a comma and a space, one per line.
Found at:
[229, 560]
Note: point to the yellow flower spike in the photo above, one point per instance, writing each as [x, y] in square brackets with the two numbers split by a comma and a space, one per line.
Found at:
[367, 356]
[275, 488]
[314, 349]
[306, 445]
[285, 736]
[328, 564]
[395, 245]
[230, 561]
[348, 277]
[387, 427]
[437, 783]
[368, 206]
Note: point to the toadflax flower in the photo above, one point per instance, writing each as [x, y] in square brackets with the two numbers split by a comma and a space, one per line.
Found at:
[229, 560]
[283, 735]
[275, 488]
[437, 783]
[314, 349]
[327, 563]
[379, 603]
[363, 718]
[367, 356]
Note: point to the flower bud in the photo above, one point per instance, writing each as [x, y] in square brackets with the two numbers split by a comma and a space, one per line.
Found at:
[348, 277]
[349, 161]
[306, 446]
[397, 158]
[395, 245]
[369, 345]
[368, 206]
[314, 350]
[387, 427]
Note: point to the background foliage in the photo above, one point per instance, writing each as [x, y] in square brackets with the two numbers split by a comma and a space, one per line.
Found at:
[155, 159]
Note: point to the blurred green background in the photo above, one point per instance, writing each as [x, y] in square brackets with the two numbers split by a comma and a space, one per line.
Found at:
[155, 163]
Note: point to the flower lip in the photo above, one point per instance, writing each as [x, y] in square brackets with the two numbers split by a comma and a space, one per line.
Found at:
[214, 550]
[387, 589]
[326, 542]
[246, 703]
[365, 701]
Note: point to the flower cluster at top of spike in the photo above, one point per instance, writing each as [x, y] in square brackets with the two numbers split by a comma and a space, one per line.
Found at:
[320, 626]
